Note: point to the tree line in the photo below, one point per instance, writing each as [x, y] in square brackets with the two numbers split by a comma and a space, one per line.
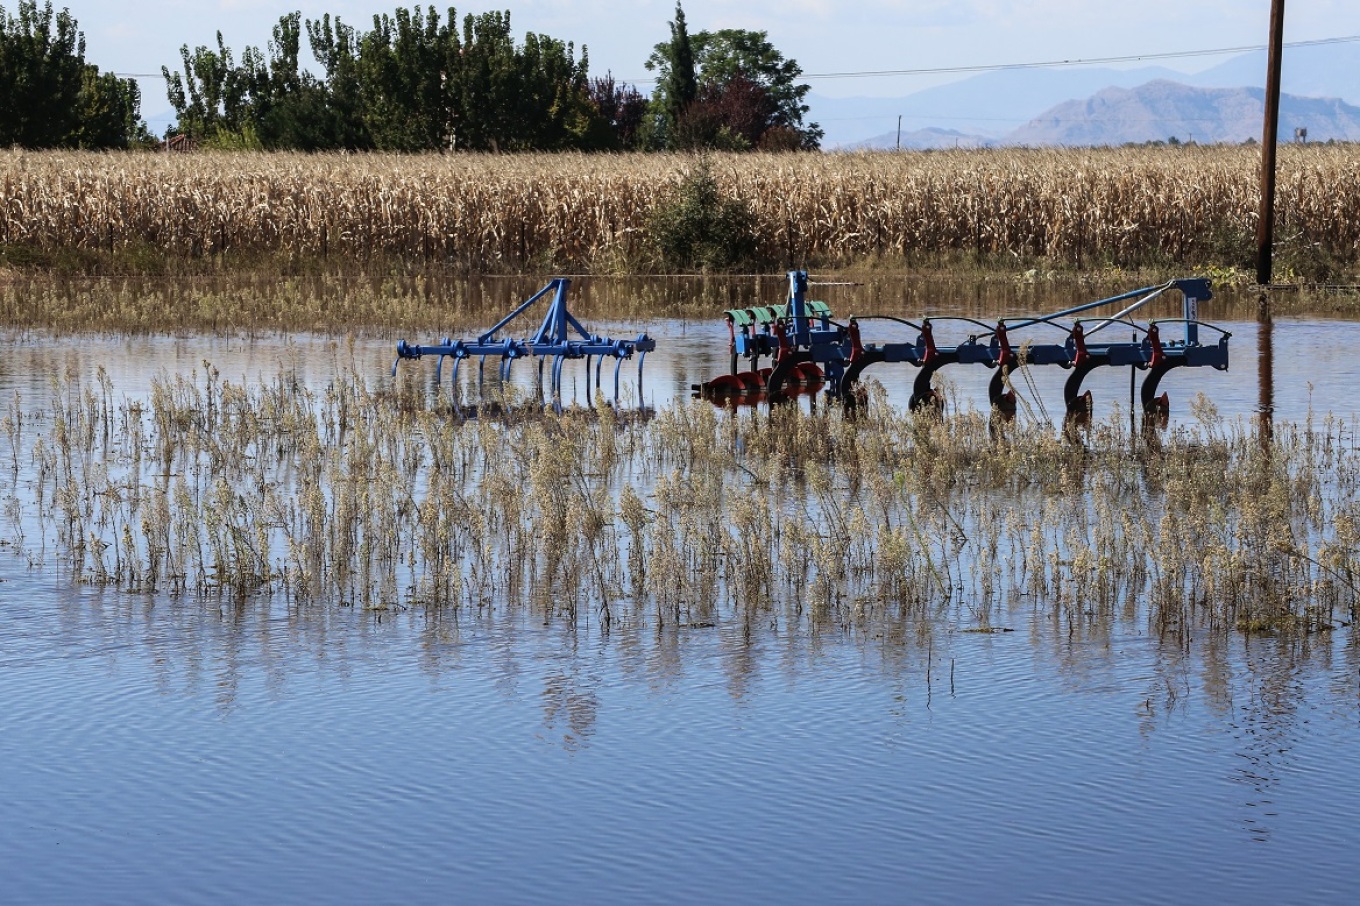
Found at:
[50, 97]
[414, 81]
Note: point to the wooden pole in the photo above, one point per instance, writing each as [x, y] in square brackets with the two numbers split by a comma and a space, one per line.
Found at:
[1265, 227]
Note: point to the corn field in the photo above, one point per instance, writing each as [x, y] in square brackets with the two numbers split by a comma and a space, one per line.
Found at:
[581, 213]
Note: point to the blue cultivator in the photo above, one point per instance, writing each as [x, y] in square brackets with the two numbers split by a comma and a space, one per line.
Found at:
[554, 340]
[808, 350]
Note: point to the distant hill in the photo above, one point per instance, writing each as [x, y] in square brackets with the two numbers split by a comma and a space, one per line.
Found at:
[921, 140]
[1163, 109]
[990, 104]
[993, 104]
[1322, 71]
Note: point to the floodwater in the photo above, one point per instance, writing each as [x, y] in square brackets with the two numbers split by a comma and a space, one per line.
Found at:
[1288, 366]
[199, 750]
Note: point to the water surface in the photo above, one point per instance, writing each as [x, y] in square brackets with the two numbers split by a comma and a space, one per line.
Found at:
[200, 749]
[203, 753]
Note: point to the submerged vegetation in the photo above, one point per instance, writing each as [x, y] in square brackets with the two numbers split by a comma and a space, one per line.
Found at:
[367, 305]
[1011, 210]
[375, 497]
[428, 305]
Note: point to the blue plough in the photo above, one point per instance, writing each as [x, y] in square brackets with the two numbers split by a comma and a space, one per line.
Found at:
[559, 338]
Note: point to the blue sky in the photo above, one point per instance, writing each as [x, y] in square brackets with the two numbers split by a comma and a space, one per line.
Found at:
[823, 36]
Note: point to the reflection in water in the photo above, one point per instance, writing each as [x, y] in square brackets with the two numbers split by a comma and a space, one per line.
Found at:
[685, 316]
[1265, 725]
[200, 645]
[1236, 723]
[570, 703]
[741, 657]
[1265, 369]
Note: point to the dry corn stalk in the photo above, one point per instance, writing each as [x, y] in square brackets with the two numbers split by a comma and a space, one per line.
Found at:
[500, 212]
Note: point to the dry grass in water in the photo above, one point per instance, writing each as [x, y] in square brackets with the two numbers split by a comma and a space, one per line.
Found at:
[366, 496]
[432, 306]
[424, 308]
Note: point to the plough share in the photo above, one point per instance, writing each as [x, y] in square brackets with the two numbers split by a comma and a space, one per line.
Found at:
[807, 350]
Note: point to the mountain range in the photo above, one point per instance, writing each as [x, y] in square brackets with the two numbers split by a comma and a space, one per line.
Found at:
[1103, 106]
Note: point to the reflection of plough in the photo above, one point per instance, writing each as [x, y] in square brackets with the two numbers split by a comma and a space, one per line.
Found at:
[554, 340]
[809, 350]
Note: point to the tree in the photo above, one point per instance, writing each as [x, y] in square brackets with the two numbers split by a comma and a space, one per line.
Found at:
[677, 86]
[730, 116]
[533, 97]
[210, 96]
[731, 53]
[49, 96]
[403, 66]
[729, 88]
[622, 108]
[700, 226]
[336, 49]
[42, 68]
[107, 109]
[484, 85]
[414, 82]
[287, 105]
[554, 106]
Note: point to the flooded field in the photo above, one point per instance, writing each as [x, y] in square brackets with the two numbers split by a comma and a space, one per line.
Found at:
[278, 626]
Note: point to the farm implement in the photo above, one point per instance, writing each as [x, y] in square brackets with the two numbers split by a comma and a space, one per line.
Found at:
[807, 350]
[559, 338]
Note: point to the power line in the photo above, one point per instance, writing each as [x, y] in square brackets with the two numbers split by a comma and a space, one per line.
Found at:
[1053, 64]
[1093, 61]
[990, 67]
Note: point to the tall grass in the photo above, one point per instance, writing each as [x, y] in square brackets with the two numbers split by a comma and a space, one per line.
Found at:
[1068, 208]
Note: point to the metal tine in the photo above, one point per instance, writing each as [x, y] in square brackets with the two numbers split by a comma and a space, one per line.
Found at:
[554, 338]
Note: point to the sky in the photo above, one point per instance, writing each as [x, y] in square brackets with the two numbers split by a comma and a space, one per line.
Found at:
[823, 36]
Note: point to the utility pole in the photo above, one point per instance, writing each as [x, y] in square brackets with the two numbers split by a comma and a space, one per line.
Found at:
[899, 132]
[1265, 227]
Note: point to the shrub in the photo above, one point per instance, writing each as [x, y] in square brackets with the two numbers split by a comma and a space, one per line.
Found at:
[700, 227]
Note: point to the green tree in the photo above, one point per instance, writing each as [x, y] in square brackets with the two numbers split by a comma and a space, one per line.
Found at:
[700, 227]
[210, 96]
[732, 53]
[508, 98]
[422, 84]
[403, 70]
[677, 84]
[413, 82]
[107, 109]
[288, 107]
[485, 87]
[552, 110]
[42, 67]
[49, 96]
[727, 89]
[335, 47]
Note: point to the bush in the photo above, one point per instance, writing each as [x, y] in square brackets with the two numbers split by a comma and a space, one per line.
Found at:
[699, 228]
